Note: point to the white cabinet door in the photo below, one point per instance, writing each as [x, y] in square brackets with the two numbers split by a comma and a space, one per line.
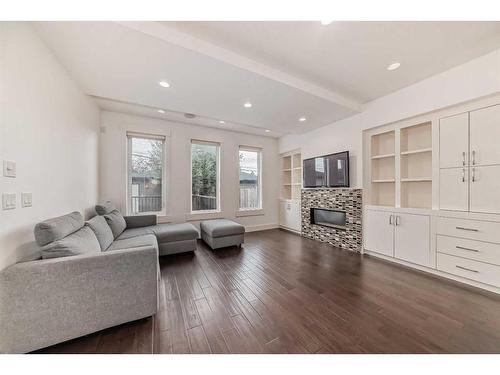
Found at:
[289, 215]
[412, 238]
[294, 220]
[485, 136]
[453, 189]
[485, 189]
[282, 214]
[378, 230]
[454, 141]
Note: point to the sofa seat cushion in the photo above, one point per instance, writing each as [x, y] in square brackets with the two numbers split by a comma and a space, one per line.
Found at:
[139, 241]
[101, 230]
[57, 228]
[82, 241]
[116, 222]
[221, 228]
[135, 232]
[164, 232]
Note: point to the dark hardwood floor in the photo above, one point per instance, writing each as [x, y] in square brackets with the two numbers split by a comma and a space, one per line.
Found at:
[281, 293]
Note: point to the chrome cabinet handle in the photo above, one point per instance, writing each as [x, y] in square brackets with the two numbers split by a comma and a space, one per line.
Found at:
[469, 229]
[466, 248]
[397, 220]
[473, 157]
[463, 174]
[463, 158]
[473, 174]
[390, 219]
[467, 269]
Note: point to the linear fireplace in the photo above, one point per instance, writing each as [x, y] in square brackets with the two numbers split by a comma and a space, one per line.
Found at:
[328, 218]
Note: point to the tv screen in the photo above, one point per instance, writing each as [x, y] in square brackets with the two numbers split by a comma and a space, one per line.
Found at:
[327, 171]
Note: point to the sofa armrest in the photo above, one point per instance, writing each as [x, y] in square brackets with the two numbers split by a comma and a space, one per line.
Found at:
[45, 302]
[140, 221]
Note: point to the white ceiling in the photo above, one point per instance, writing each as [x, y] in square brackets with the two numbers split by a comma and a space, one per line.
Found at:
[351, 57]
[286, 69]
[115, 62]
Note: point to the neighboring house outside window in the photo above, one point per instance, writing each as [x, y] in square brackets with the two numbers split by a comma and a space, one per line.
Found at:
[250, 179]
[205, 176]
[146, 166]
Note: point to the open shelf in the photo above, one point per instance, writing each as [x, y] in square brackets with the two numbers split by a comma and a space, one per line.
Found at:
[383, 194]
[291, 175]
[383, 144]
[383, 156]
[416, 151]
[416, 179]
[416, 194]
[416, 138]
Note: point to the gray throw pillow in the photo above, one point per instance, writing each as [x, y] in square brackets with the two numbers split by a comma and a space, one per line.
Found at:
[116, 222]
[101, 230]
[82, 241]
[57, 228]
[104, 208]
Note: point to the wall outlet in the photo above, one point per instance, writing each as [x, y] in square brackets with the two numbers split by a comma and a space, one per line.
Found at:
[26, 199]
[8, 201]
[9, 168]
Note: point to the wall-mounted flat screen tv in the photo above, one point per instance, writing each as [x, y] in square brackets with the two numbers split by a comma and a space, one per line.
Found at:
[327, 171]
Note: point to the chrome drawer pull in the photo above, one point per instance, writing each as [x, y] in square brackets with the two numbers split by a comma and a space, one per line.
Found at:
[467, 269]
[469, 229]
[466, 248]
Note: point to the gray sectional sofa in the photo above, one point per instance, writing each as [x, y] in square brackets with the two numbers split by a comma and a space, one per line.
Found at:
[89, 276]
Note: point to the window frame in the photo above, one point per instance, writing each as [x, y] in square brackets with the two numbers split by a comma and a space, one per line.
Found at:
[130, 135]
[259, 179]
[218, 209]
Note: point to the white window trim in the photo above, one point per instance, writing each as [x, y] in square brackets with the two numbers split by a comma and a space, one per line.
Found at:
[250, 211]
[200, 214]
[164, 190]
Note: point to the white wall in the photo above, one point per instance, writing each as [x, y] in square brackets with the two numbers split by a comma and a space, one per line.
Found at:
[50, 128]
[475, 79]
[113, 168]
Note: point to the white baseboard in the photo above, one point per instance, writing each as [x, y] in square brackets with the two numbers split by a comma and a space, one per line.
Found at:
[256, 228]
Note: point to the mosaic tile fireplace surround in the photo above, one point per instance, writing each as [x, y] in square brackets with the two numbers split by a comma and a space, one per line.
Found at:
[349, 201]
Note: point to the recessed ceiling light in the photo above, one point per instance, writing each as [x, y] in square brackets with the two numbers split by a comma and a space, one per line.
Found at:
[161, 111]
[247, 105]
[267, 130]
[394, 66]
[302, 119]
[326, 22]
[164, 84]
[222, 122]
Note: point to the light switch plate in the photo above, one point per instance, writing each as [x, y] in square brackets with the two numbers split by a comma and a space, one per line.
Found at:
[8, 201]
[9, 168]
[26, 199]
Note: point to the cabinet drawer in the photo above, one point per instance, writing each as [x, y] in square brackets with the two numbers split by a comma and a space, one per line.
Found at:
[470, 269]
[470, 249]
[473, 229]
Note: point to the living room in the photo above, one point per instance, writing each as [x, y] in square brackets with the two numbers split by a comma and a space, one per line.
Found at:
[236, 187]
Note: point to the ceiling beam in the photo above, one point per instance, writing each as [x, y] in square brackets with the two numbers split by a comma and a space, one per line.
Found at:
[184, 40]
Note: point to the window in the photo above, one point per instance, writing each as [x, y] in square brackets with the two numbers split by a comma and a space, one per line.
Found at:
[204, 176]
[250, 178]
[145, 173]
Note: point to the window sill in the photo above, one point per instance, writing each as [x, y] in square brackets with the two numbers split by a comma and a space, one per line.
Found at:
[202, 215]
[256, 212]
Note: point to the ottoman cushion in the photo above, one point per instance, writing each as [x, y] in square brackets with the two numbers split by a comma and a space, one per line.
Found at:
[175, 232]
[221, 228]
